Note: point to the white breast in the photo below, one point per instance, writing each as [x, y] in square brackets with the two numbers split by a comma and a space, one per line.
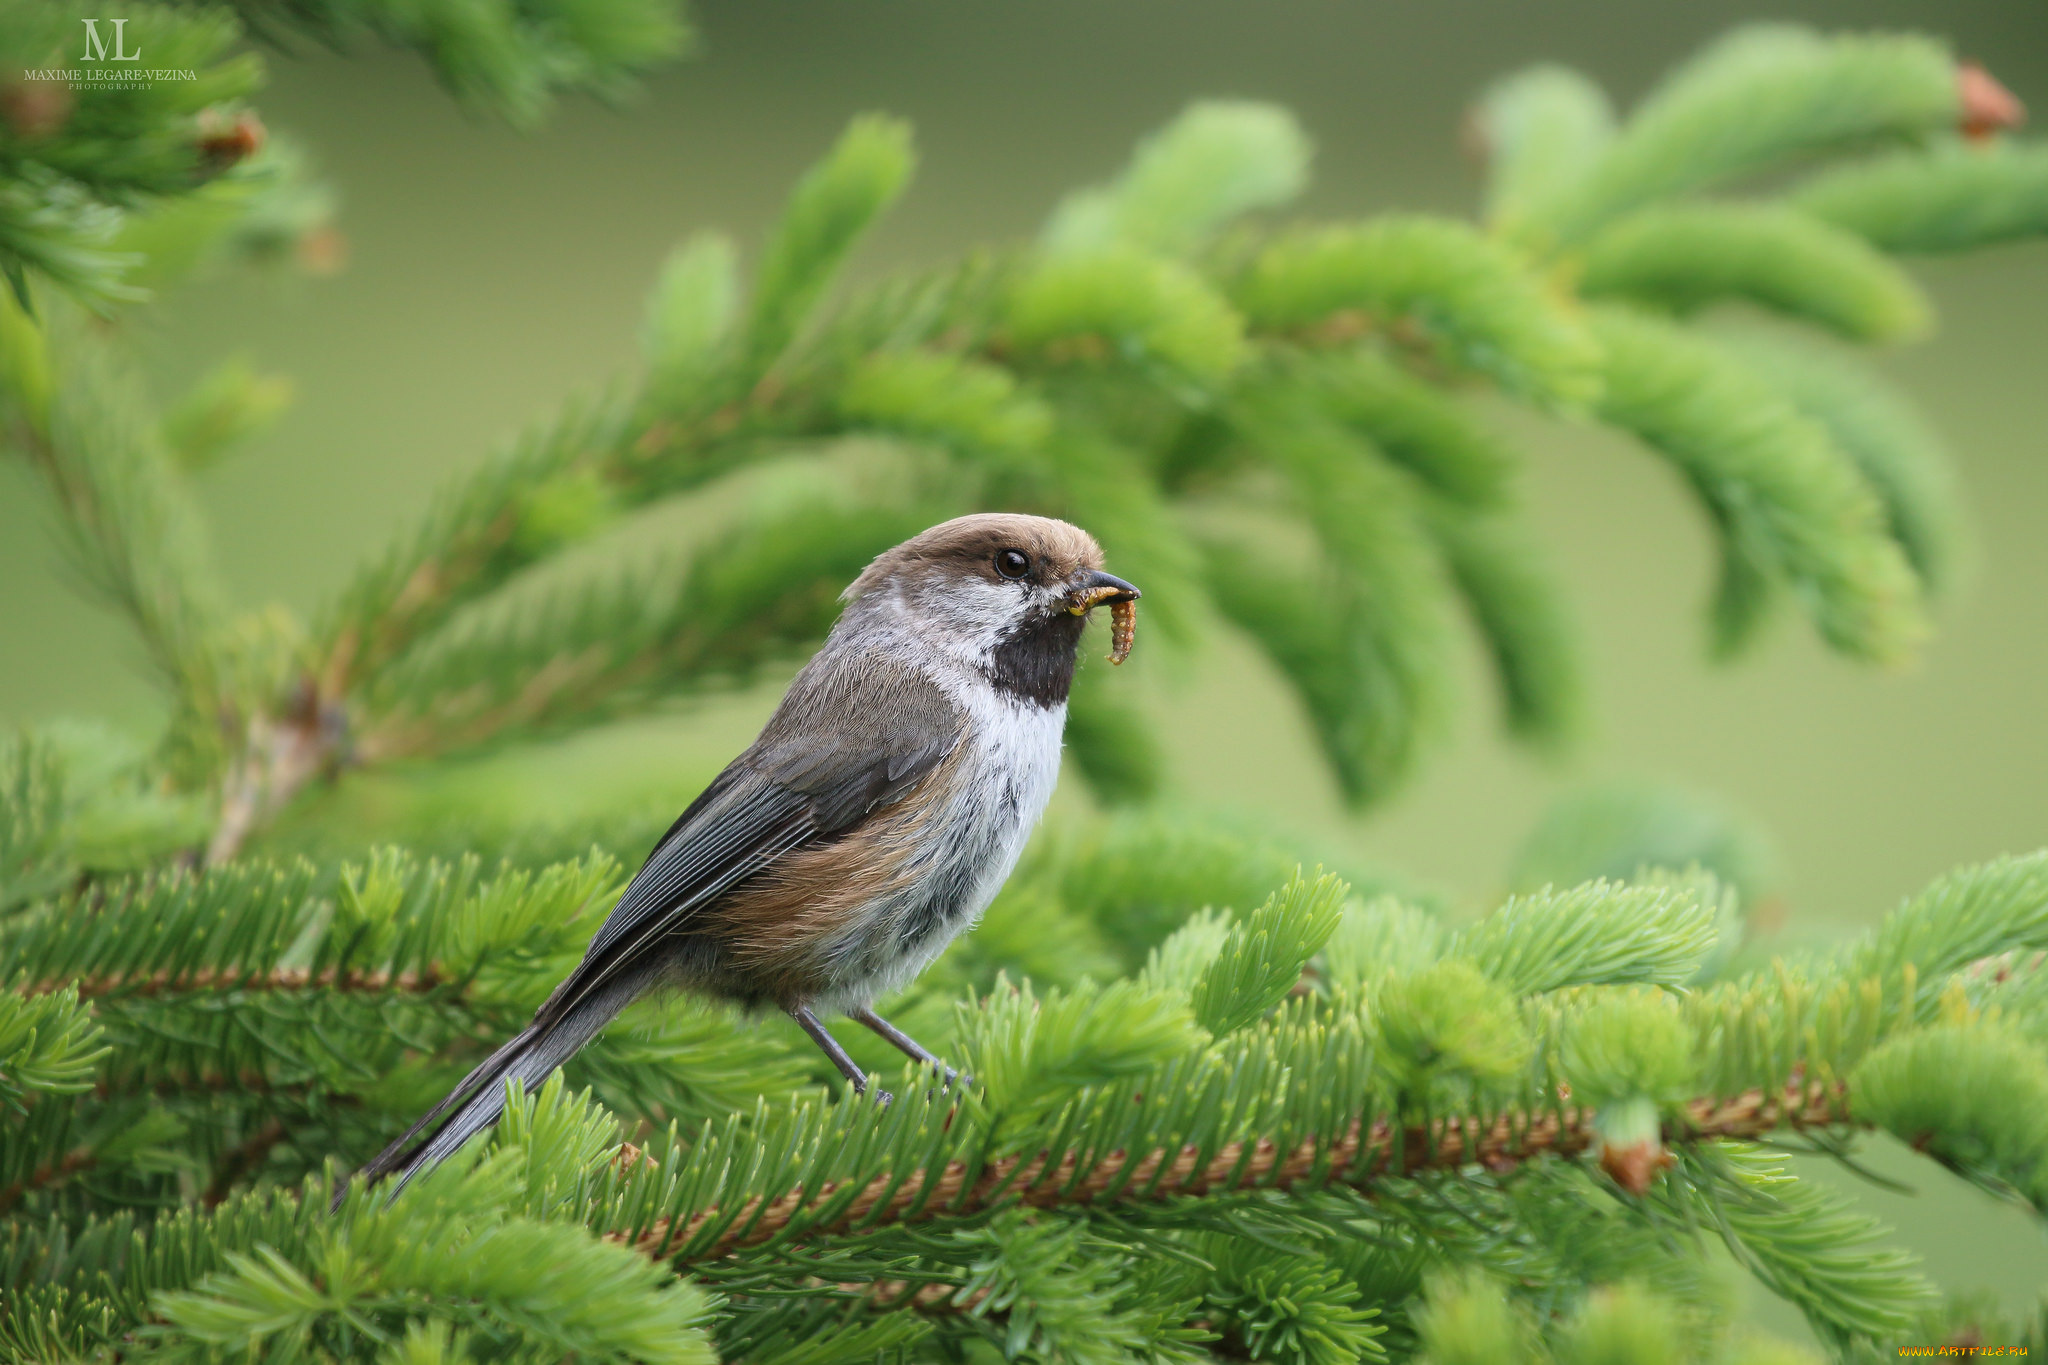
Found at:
[1005, 778]
[1019, 743]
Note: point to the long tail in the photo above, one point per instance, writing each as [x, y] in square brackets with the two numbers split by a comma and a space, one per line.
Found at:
[475, 1103]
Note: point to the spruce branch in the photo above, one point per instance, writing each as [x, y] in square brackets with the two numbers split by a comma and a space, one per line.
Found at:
[1954, 197]
[1337, 1112]
[1540, 132]
[1524, 623]
[271, 212]
[130, 527]
[830, 210]
[47, 1046]
[1210, 1118]
[1413, 423]
[741, 601]
[1145, 363]
[1900, 456]
[1216, 162]
[1359, 1156]
[33, 806]
[77, 162]
[513, 59]
[1597, 933]
[1967, 916]
[1813, 1026]
[326, 1001]
[82, 803]
[480, 530]
[1432, 283]
[1755, 100]
[1381, 698]
[1809, 1245]
[1791, 504]
[1684, 257]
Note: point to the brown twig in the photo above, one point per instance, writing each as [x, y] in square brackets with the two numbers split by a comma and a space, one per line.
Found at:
[1361, 1157]
[74, 1161]
[243, 1083]
[241, 1159]
[279, 756]
[243, 979]
[934, 1300]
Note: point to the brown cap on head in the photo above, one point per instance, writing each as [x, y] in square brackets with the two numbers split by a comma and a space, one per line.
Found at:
[1056, 550]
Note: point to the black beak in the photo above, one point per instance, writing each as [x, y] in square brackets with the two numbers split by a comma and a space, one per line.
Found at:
[1095, 587]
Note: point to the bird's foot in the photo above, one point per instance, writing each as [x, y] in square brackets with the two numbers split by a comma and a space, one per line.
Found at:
[882, 1098]
[954, 1083]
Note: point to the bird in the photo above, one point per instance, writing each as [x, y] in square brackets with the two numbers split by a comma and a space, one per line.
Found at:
[875, 817]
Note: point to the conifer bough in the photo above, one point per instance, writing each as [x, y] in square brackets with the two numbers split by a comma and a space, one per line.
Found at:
[1247, 412]
[1276, 1076]
[1315, 1128]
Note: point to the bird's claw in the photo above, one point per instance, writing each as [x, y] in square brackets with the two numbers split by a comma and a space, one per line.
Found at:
[954, 1080]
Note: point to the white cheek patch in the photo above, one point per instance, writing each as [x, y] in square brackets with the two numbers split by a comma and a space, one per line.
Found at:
[971, 611]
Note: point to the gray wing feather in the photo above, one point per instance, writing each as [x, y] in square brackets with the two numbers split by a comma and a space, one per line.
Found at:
[854, 733]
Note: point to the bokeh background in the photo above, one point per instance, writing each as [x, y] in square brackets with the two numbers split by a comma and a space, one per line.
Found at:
[492, 273]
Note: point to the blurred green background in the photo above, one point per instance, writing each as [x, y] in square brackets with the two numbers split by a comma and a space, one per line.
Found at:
[492, 273]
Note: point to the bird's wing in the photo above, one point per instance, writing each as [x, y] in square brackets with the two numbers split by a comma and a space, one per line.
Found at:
[852, 735]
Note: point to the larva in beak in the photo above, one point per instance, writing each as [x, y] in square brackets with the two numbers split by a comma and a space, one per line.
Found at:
[1099, 588]
[1123, 628]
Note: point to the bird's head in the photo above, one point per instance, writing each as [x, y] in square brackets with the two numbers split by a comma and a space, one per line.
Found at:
[993, 586]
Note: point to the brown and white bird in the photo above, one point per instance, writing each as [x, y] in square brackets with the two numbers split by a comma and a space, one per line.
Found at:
[873, 820]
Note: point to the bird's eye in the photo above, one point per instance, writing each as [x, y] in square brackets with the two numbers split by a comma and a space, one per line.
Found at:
[1012, 563]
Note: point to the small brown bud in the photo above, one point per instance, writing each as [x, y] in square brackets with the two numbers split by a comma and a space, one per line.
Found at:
[630, 1156]
[1635, 1166]
[223, 144]
[1987, 106]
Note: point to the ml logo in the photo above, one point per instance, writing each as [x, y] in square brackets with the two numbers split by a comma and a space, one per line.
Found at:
[96, 49]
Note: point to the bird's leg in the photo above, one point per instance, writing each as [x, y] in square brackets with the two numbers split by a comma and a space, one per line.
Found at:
[904, 1043]
[829, 1045]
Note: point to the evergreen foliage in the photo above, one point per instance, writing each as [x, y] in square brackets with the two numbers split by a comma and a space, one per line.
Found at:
[1211, 1105]
[1266, 419]
[112, 186]
[512, 57]
[1112, 1181]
